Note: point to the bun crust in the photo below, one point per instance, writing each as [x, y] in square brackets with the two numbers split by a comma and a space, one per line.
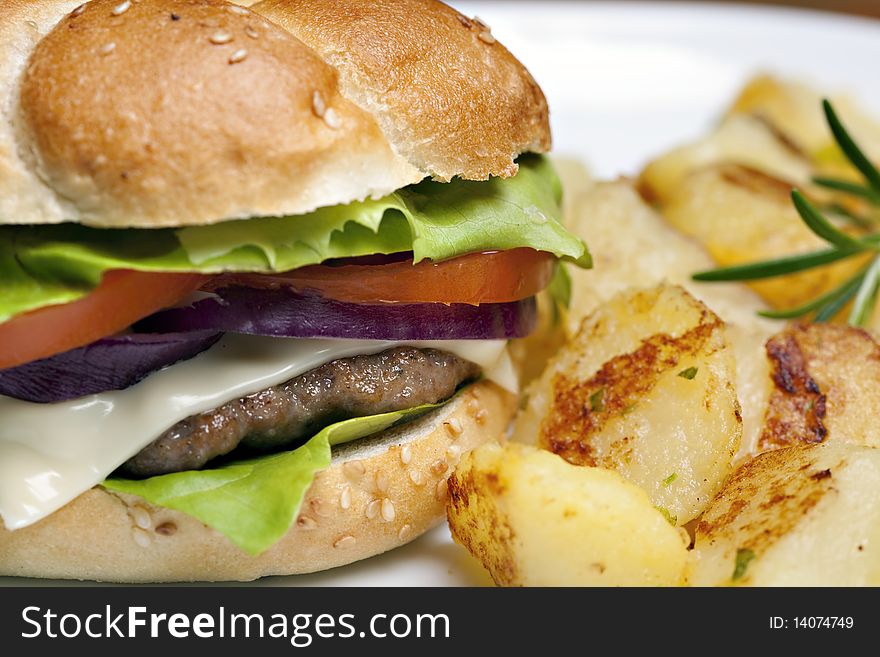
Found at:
[189, 112]
[449, 97]
[378, 494]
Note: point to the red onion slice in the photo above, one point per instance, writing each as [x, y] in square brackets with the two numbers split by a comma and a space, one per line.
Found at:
[109, 364]
[284, 312]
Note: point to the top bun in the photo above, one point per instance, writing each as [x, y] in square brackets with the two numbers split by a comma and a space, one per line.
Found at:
[136, 113]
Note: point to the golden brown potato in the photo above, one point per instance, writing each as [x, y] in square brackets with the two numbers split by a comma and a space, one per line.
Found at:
[740, 139]
[534, 520]
[645, 388]
[741, 215]
[826, 387]
[794, 111]
[633, 246]
[801, 516]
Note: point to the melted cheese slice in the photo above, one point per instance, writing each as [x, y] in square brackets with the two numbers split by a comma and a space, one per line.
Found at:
[51, 453]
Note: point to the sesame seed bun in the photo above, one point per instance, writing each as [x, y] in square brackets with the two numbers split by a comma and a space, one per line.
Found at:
[122, 113]
[378, 494]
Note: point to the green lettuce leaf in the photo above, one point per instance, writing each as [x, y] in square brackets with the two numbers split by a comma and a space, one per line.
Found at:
[254, 502]
[47, 265]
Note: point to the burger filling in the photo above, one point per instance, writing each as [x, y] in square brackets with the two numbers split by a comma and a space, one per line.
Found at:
[284, 415]
[199, 367]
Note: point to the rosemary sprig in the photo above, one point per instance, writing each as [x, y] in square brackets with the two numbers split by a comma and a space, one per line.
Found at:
[863, 287]
[849, 147]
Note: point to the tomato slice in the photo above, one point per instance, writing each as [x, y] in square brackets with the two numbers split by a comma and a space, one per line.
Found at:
[122, 298]
[488, 277]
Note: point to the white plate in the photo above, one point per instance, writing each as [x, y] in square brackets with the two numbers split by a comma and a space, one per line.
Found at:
[626, 81]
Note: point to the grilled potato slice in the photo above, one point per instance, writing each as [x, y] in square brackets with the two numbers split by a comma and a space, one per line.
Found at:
[826, 387]
[794, 111]
[534, 520]
[741, 215]
[740, 139]
[800, 516]
[633, 246]
[645, 388]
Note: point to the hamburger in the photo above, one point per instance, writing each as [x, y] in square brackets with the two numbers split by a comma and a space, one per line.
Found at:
[258, 270]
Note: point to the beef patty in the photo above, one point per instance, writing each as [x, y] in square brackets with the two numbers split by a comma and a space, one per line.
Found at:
[285, 414]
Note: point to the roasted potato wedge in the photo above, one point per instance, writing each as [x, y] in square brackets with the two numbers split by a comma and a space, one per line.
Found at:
[794, 111]
[534, 520]
[741, 215]
[633, 246]
[646, 388]
[740, 139]
[826, 387]
[801, 516]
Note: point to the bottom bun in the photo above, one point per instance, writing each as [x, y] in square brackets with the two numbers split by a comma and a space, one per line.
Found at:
[378, 494]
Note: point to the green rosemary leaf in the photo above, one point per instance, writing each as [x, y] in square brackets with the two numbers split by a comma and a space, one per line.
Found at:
[847, 288]
[817, 223]
[853, 153]
[850, 188]
[866, 299]
[827, 312]
[744, 557]
[843, 214]
[778, 267]
[689, 373]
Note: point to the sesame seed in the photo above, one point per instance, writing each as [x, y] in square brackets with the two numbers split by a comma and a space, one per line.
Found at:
[472, 406]
[241, 11]
[121, 8]
[321, 508]
[481, 416]
[251, 32]
[141, 517]
[417, 477]
[404, 532]
[453, 427]
[381, 482]
[78, 10]
[345, 541]
[318, 105]
[406, 454]
[304, 522]
[453, 454]
[107, 49]
[440, 492]
[166, 529]
[464, 20]
[373, 508]
[439, 466]
[32, 24]
[345, 498]
[221, 37]
[486, 37]
[141, 537]
[331, 118]
[354, 469]
[238, 56]
[482, 24]
[387, 510]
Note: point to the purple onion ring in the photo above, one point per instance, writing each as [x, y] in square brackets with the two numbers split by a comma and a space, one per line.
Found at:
[284, 312]
[110, 364]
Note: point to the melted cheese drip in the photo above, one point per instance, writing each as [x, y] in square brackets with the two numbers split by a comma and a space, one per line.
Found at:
[51, 453]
